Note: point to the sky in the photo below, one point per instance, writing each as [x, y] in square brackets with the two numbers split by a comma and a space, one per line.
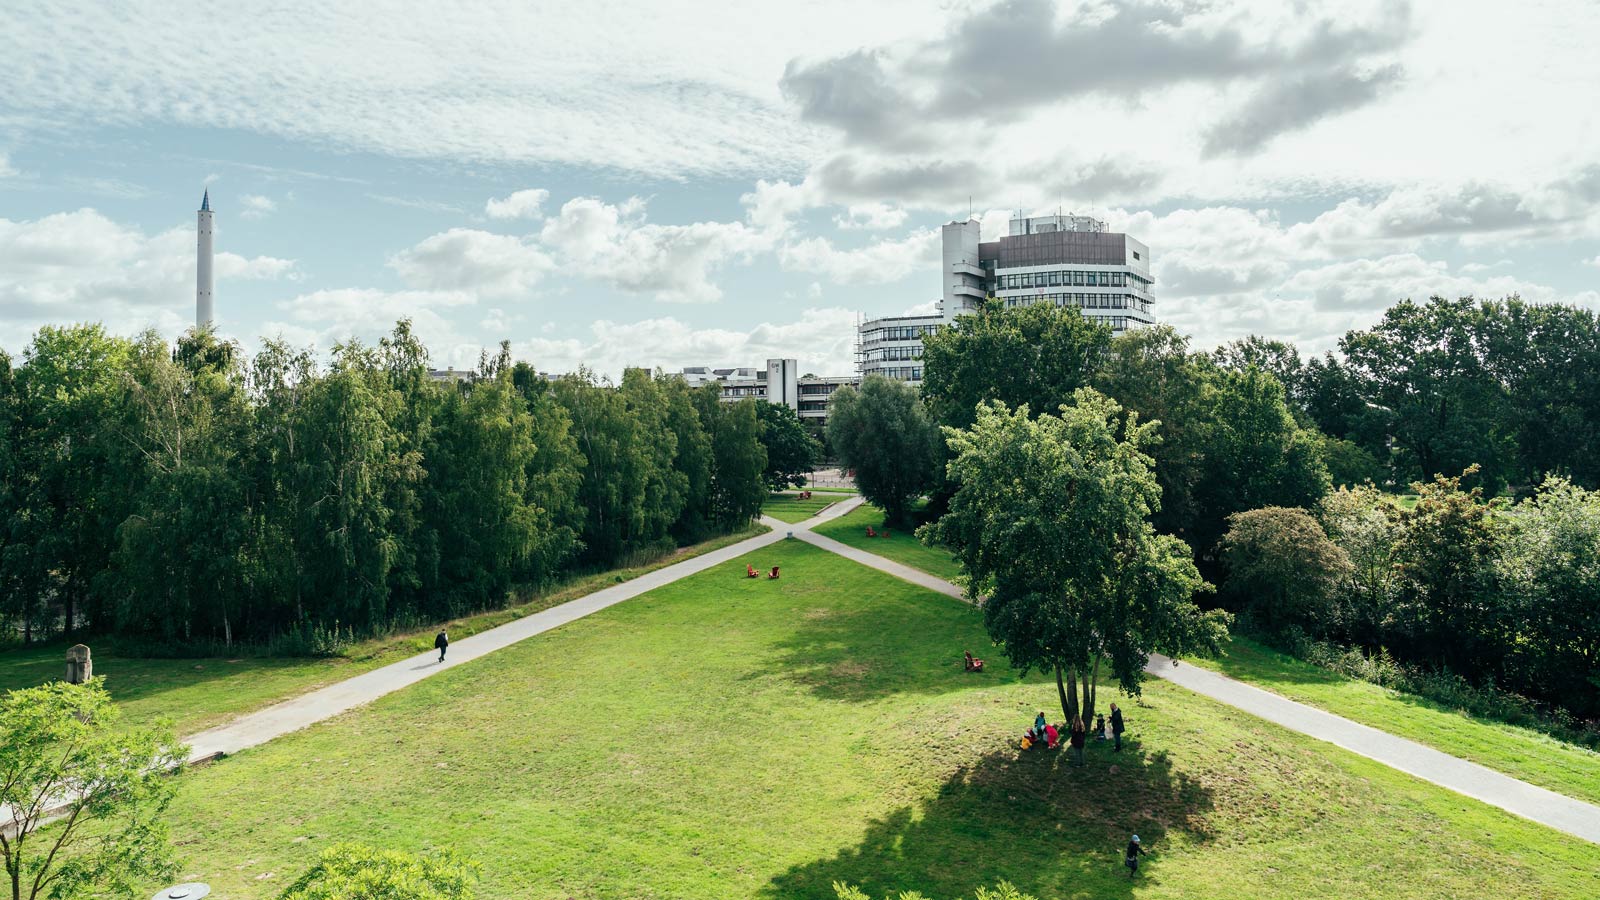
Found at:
[674, 183]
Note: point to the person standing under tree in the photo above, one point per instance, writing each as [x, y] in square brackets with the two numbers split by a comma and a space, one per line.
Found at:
[1116, 728]
[1078, 733]
[441, 642]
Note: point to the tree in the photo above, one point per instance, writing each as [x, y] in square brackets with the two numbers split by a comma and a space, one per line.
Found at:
[692, 457]
[358, 872]
[1283, 567]
[1253, 455]
[1280, 359]
[1050, 520]
[1451, 607]
[737, 458]
[1422, 369]
[65, 756]
[883, 433]
[1150, 371]
[1362, 524]
[1034, 355]
[791, 450]
[1552, 569]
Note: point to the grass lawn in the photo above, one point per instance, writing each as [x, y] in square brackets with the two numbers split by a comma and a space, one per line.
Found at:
[725, 737]
[790, 508]
[1533, 757]
[901, 546]
[196, 694]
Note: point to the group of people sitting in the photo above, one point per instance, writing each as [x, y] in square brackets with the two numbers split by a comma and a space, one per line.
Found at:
[871, 533]
[1042, 733]
[750, 572]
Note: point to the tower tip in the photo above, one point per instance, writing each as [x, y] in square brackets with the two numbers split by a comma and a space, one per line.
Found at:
[205, 201]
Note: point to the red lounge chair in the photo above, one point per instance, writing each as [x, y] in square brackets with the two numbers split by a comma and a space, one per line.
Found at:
[870, 532]
[884, 533]
[750, 571]
[973, 665]
[773, 574]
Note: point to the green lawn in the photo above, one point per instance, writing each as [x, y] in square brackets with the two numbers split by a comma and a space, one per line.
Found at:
[1520, 752]
[901, 545]
[727, 737]
[196, 694]
[790, 508]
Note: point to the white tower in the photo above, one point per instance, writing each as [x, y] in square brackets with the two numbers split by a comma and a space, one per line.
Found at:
[202, 281]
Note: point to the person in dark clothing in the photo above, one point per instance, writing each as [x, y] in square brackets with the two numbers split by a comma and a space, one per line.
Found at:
[440, 642]
[1077, 735]
[1132, 859]
[1117, 727]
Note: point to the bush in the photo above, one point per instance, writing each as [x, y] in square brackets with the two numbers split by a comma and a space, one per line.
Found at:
[359, 872]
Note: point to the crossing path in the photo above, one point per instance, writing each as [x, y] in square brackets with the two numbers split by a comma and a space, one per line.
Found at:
[1563, 813]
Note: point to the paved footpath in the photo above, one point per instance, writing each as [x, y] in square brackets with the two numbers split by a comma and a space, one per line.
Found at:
[1546, 807]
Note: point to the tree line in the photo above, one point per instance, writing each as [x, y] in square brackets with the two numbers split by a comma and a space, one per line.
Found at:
[1467, 399]
[189, 494]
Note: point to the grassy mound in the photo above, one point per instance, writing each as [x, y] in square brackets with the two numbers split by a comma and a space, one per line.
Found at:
[725, 737]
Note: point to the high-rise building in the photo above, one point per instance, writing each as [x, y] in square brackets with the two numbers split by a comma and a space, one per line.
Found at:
[203, 317]
[1071, 261]
[808, 395]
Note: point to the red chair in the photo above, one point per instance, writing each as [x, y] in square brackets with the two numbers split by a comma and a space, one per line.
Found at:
[750, 571]
[973, 664]
[883, 533]
[773, 575]
[870, 532]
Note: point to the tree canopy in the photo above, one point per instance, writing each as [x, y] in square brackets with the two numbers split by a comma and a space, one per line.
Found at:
[1051, 521]
[883, 433]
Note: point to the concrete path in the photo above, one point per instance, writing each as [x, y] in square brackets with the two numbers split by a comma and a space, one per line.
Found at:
[1546, 807]
[292, 715]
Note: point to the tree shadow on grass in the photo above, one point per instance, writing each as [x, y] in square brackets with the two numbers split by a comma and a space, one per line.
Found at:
[860, 651]
[1024, 817]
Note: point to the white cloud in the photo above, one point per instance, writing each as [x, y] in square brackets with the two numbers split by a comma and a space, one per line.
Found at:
[821, 339]
[877, 263]
[465, 259]
[1593, 262]
[615, 244]
[871, 217]
[523, 204]
[83, 266]
[6, 169]
[254, 206]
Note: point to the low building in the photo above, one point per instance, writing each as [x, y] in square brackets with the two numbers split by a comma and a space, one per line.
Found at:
[780, 382]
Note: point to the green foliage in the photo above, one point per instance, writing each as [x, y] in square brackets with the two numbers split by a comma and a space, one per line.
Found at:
[1349, 464]
[1051, 522]
[359, 872]
[884, 434]
[1034, 355]
[189, 496]
[1366, 528]
[738, 459]
[1283, 569]
[791, 450]
[64, 756]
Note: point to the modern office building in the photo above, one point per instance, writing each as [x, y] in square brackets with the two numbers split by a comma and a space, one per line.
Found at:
[1071, 261]
[780, 382]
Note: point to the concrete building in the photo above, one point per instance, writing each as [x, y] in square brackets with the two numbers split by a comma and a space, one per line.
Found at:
[203, 308]
[780, 382]
[1071, 261]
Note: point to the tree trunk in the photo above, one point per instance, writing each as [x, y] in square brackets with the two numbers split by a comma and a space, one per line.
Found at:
[1069, 699]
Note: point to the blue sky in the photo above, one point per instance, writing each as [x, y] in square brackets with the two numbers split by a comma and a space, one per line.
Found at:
[626, 184]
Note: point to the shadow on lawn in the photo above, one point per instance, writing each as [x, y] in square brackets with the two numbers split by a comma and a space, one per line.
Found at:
[860, 652]
[1028, 818]
[131, 678]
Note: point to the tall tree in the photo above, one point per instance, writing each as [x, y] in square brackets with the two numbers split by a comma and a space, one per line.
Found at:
[1422, 370]
[1051, 521]
[1036, 354]
[1364, 525]
[883, 433]
[691, 458]
[738, 459]
[791, 450]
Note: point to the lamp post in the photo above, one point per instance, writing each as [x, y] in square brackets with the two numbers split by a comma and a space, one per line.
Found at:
[194, 890]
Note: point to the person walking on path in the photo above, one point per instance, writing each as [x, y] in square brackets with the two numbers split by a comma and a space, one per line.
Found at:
[440, 642]
[1132, 858]
[1116, 728]
[1078, 734]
